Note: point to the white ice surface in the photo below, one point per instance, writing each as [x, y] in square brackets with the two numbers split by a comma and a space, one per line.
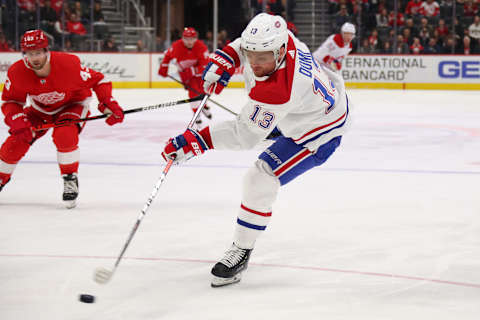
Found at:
[388, 228]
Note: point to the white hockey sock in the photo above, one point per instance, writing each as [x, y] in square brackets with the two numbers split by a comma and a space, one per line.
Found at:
[7, 168]
[260, 188]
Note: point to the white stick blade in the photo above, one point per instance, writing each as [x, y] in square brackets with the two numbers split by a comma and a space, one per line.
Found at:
[102, 275]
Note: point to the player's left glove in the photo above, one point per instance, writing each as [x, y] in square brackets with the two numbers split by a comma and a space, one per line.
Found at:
[111, 107]
[218, 71]
[185, 146]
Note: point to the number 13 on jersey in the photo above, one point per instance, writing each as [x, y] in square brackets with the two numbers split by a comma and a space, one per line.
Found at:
[262, 118]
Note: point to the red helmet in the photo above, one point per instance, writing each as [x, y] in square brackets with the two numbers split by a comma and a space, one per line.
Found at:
[189, 33]
[33, 40]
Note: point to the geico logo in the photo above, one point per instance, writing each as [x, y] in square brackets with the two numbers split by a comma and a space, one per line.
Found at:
[459, 69]
[196, 148]
[222, 61]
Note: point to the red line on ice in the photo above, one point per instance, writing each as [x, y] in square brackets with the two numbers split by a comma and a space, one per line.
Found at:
[365, 273]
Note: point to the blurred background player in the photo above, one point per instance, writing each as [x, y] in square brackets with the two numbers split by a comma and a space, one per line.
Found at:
[337, 46]
[191, 57]
[59, 89]
[279, 75]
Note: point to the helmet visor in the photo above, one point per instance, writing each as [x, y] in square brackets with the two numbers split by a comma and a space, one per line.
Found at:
[259, 57]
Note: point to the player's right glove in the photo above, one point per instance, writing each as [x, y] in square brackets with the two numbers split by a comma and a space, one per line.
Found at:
[219, 69]
[163, 71]
[335, 65]
[20, 126]
[185, 146]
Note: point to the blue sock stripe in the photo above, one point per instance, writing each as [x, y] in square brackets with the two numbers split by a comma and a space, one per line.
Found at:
[249, 225]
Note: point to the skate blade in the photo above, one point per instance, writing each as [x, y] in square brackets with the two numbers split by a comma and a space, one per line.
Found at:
[220, 282]
[70, 204]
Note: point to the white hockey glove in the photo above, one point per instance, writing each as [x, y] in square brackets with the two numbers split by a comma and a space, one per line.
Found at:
[218, 71]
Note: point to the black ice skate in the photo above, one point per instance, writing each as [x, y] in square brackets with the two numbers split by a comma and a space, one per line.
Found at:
[229, 269]
[206, 112]
[3, 184]
[70, 190]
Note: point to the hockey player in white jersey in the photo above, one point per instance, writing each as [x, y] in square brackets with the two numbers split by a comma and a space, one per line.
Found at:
[287, 92]
[337, 46]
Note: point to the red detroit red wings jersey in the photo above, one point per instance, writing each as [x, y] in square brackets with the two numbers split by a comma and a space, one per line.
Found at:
[67, 83]
[186, 58]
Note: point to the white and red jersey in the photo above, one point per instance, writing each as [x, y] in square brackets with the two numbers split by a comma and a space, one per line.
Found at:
[413, 7]
[194, 59]
[430, 9]
[28, 5]
[299, 98]
[68, 83]
[334, 49]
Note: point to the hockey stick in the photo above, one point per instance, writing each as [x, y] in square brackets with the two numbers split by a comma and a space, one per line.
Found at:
[103, 275]
[196, 91]
[274, 134]
[67, 122]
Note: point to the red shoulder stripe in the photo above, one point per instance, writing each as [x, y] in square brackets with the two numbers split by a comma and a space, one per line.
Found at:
[338, 39]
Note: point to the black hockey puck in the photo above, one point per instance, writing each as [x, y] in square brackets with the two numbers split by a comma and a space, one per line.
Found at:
[86, 298]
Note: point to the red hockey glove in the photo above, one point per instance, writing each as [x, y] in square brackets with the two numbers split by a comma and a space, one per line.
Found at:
[163, 71]
[111, 107]
[20, 126]
[335, 65]
[185, 146]
[219, 69]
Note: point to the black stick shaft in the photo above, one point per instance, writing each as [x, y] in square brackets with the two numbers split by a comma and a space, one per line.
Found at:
[102, 116]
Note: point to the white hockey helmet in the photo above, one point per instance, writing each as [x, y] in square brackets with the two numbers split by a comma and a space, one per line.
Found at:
[265, 32]
[348, 27]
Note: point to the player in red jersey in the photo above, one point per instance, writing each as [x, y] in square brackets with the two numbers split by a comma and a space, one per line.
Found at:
[191, 57]
[59, 88]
